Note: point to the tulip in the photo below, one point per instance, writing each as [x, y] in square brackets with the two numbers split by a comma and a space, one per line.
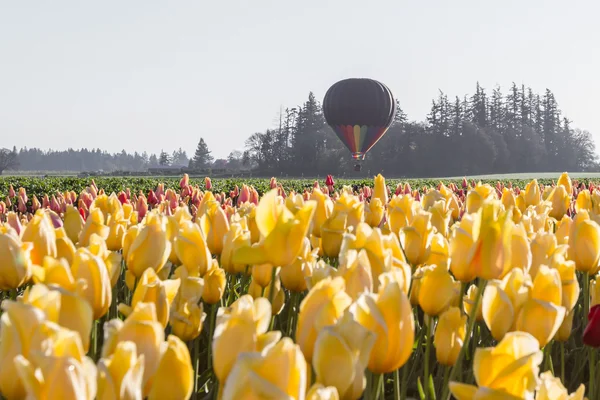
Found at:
[439, 252]
[40, 232]
[560, 199]
[584, 243]
[584, 201]
[322, 211]
[320, 392]
[564, 332]
[323, 305]
[282, 233]
[233, 240]
[401, 211]
[143, 329]
[341, 355]
[514, 374]
[387, 313]
[174, 377]
[416, 238]
[252, 377]
[93, 270]
[214, 225]
[477, 196]
[532, 194]
[552, 388]
[278, 297]
[15, 261]
[469, 301]
[462, 249]
[12, 220]
[563, 230]
[73, 223]
[591, 334]
[332, 233]
[380, 190]
[493, 241]
[293, 276]
[521, 256]
[93, 224]
[565, 181]
[240, 328]
[437, 289]
[542, 246]
[320, 272]
[352, 206]
[214, 283]
[151, 289]
[356, 271]
[374, 212]
[112, 259]
[150, 248]
[191, 248]
[449, 336]
[64, 247]
[120, 374]
[187, 312]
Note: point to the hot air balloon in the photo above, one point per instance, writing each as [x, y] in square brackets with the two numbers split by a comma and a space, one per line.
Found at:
[360, 111]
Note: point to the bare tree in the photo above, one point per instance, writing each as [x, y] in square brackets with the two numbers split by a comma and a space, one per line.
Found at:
[8, 160]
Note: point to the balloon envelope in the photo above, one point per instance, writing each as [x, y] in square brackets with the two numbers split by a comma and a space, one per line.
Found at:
[359, 110]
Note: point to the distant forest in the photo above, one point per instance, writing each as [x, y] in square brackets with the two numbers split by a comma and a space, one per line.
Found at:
[520, 131]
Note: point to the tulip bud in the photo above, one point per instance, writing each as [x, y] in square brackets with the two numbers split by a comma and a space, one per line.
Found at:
[449, 336]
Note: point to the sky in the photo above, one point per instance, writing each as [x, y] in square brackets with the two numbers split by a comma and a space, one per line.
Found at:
[148, 75]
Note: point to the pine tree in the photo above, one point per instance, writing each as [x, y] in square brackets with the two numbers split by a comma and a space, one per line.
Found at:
[164, 159]
[202, 157]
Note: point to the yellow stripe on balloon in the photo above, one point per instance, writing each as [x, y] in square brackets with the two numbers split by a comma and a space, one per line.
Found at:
[357, 137]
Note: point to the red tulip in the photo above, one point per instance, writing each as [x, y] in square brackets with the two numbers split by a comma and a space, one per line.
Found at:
[152, 199]
[208, 183]
[273, 183]
[184, 181]
[11, 192]
[123, 198]
[591, 335]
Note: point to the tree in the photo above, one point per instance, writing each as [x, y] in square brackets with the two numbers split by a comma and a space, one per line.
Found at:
[202, 157]
[8, 160]
[164, 159]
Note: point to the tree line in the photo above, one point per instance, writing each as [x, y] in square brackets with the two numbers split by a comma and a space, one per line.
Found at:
[520, 131]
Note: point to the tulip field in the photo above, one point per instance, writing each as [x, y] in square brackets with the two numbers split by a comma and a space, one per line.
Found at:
[137, 288]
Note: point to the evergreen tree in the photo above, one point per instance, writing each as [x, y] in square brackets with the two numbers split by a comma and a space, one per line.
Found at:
[164, 159]
[202, 157]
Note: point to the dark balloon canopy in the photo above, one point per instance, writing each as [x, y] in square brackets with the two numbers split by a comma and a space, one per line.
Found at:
[359, 110]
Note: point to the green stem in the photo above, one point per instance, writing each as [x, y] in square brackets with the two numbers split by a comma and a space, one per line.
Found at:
[291, 313]
[378, 383]
[404, 384]
[592, 357]
[461, 354]
[446, 377]
[213, 311]
[562, 361]
[590, 351]
[396, 385]
[272, 287]
[428, 345]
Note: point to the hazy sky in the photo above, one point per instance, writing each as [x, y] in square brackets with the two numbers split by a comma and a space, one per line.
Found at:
[151, 75]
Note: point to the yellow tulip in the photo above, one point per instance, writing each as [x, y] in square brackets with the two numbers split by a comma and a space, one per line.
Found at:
[320, 272]
[532, 194]
[542, 314]
[469, 301]
[568, 276]
[430, 198]
[15, 261]
[560, 200]
[356, 271]
[282, 233]
[257, 291]
[521, 256]
[389, 315]
[584, 201]
[214, 225]
[187, 312]
[261, 274]
[508, 371]
[564, 332]
[380, 190]
[374, 212]
[174, 378]
[401, 211]
[584, 243]
[142, 328]
[542, 246]
[92, 269]
[449, 336]
[214, 284]
[240, 328]
[416, 238]
[40, 232]
[352, 207]
[93, 224]
[151, 247]
[50, 376]
[112, 259]
[436, 290]
[294, 202]
[117, 226]
[64, 247]
[439, 253]
[73, 223]
[492, 232]
[565, 180]
[233, 240]
[17, 324]
[440, 217]
[323, 305]
[462, 249]
[320, 392]
[563, 230]
[503, 300]
[477, 196]
[151, 289]
[341, 355]
[253, 377]
[191, 248]
[322, 211]
[293, 276]
[120, 374]
[332, 232]
[552, 388]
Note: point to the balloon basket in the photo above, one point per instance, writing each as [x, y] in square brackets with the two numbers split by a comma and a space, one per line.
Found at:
[357, 167]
